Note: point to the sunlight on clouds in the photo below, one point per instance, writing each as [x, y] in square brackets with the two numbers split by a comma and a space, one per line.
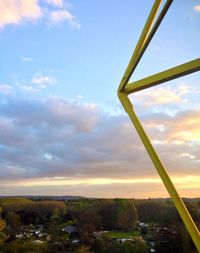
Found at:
[191, 130]
[190, 182]
[192, 135]
[157, 142]
[197, 8]
[78, 143]
[160, 95]
[164, 96]
[58, 17]
[186, 181]
[5, 89]
[14, 11]
[88, 181]
[188, 155]
[193, 121]
[188, 186]
[57, 3]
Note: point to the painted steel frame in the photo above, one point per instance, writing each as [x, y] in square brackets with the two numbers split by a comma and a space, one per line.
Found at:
[126, 88]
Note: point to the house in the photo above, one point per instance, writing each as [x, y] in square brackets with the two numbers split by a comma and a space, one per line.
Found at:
[69, 229]
[75, 242]
[143, 225]
[122, 240]
[19, 236]
[98, 234]
[39, 227]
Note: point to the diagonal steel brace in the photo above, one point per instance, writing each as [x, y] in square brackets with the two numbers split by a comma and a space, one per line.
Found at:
[126, 88]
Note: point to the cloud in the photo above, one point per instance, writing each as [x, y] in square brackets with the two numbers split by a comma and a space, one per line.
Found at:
[197, 8]
[42, 80]
[14, 11]
[163, 96]
[54, 137]
[5, 89]
[59, 16]
[57, 3]
[26, 59]
[53, 12]
[101, 187]
[73, 145]
[29, 89]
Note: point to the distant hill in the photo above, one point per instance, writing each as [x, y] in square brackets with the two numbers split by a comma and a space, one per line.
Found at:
[44, 197]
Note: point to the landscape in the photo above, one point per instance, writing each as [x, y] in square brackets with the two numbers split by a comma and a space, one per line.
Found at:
[99, 126]
[82, 225]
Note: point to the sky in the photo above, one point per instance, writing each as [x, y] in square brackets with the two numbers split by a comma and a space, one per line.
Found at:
[63, 130]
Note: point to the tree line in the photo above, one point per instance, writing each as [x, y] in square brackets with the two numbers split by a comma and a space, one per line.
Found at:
[90, 215]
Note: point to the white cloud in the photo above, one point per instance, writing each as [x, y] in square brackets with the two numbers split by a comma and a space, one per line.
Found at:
[5, 89]
[163, 96]
[187, 155]
[74, 140]
[59, 16]
[18, 11]
[15, 11]
[30, 89]
[26, 59]
[197, 8]
[43, 81]
[57, 3]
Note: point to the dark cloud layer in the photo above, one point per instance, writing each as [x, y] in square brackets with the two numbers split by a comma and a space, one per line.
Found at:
[54, 137]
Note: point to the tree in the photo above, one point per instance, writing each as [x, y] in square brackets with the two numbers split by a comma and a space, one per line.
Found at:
[17, 246]
[98, 246]
[3, 237]
[118, 214]
[89, 221]
[140, 246]
[12, 219]
[83, 249]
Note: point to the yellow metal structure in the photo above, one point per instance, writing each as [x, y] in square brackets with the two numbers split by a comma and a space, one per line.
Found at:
[126, 88]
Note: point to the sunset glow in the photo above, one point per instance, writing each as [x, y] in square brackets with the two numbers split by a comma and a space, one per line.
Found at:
[62, 134]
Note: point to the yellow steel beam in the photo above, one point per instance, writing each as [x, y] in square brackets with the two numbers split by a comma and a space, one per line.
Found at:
[183, 212]
[140, 44]
[163, 76]
[123, 91]
[149, 32]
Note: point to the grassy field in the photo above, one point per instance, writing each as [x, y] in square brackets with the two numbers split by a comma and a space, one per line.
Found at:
[119, 234]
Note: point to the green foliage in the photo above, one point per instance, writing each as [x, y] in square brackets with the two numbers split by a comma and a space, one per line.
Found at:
[186, 242]
[128, 247]
[118, 214]
[157, 211]
[34, 212]
[139, 246]
[12, 219]
[98, 246]
[3, 237]
[83, 249]
[25, 247]
[121, 234]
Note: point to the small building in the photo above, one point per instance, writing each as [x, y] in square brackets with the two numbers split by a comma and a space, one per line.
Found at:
[122, 240]
[98, 234]
[75, 242]
[69, 229]
[19, 236]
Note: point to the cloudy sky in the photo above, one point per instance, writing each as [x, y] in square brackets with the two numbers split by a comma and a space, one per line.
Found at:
[63, 130]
